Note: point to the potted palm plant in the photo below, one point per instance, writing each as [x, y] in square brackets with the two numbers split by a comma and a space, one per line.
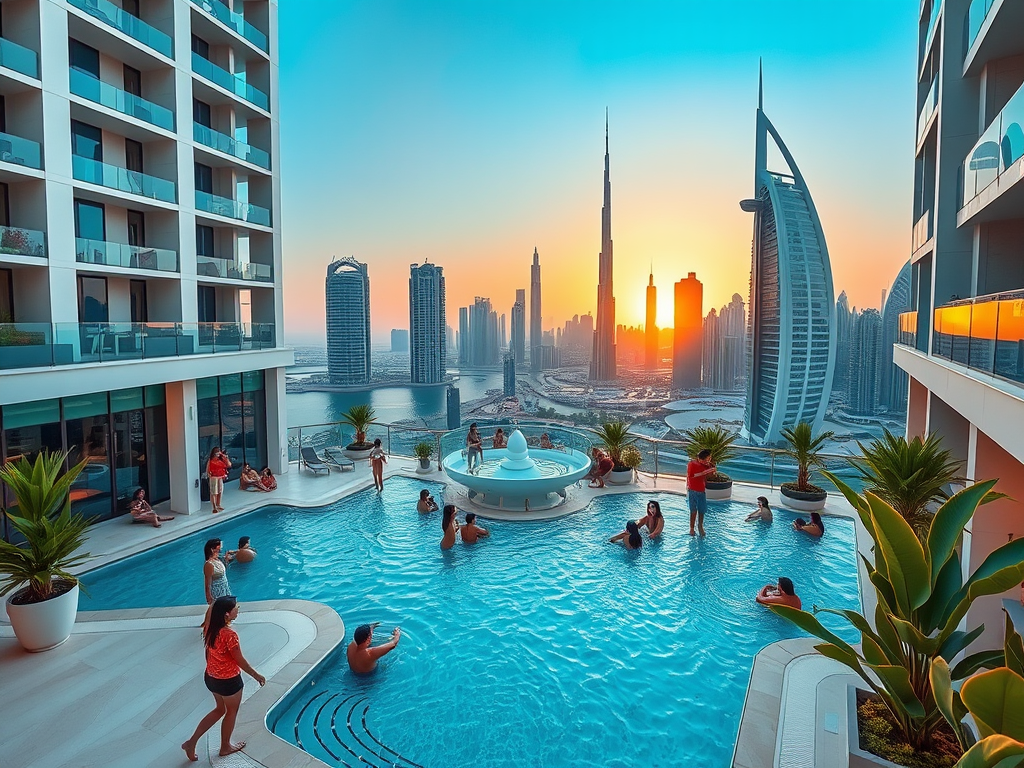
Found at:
[423, 450]
[911, 476]
[921, 599]
[616, 436]
[803, 447]
[359, 417]
[43, 600]
[719, 441]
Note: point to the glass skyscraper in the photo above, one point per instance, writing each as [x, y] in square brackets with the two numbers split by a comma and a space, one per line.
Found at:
[348, 322]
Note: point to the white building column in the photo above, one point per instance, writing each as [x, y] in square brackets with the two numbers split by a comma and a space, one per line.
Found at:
[183, 446]
[277, 420]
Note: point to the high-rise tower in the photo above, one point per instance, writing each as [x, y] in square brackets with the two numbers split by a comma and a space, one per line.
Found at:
[348, 322]
[687, 335]
[428, 348]
[866, 351]
[893, 380]
[536, 334]
[651, 327]
[792, 343]
[518, 329]
[602, 362]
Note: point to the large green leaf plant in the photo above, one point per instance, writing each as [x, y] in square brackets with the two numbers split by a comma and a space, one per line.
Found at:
[921, 598]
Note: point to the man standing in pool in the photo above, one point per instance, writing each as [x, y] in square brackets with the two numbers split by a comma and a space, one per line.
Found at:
[471, 531]
[695, 488]
[362, 659]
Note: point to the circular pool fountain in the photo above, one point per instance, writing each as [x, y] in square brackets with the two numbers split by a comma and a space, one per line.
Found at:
[519, 477]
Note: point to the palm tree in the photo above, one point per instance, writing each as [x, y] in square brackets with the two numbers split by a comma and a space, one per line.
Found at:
[804, 448]
[359, 417]
[615, 436]
[715, 439]
[910, 476]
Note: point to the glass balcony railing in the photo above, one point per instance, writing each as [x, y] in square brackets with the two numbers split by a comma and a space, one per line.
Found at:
[212, 266]
[931, 101]
[37, 345]
[923, 231]
[907, 333]
[984, 333]
[1000, 146]
[234, 83]
[14, 149]
[16, 241]
[19, 58]
[933, 18]
[124, 255]
[973, 21]
[88, 87]
[234, 21]
[115, 177]
[132, 26]
[224, 143]
[232, 209]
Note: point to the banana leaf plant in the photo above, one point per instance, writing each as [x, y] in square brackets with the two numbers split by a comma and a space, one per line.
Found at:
[921, 598]
[995, 699]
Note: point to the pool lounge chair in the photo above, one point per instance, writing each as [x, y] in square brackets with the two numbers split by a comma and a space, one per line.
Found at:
[313, 462]
[335, 458]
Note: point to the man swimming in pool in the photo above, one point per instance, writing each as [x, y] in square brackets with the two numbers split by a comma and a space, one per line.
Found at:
[471, 531]
[362, 659]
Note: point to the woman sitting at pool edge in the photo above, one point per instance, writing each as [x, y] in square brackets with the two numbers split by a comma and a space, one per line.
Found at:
[629, 538]
[763, 511]
[267, 479]
[815, 528]
[249, 480]
[142, 512]
[653, 520]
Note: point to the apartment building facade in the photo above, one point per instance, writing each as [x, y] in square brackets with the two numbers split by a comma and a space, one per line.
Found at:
[140, 242]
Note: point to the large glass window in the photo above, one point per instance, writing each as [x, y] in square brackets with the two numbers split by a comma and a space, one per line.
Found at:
[204, 240]
[90, 220]
[28, 428]
[136, 228]
[139, 305]
[233, 415]
[87, 427]
[207, 297]
[208, 407]
[86, 140]
[84, 58]
[201, 113]
[6, 296]
[231, 427]
[92, 299]
[204, 178]
[133, 156]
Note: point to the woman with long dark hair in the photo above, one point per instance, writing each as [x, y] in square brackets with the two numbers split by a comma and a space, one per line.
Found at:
[654, 520]
[224, 665]
[763, 511]
[815, 528]
[450, 526]
[629, 538]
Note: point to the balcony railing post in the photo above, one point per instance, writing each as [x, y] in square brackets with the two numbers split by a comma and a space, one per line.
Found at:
[437, 441]
[655, 463]
[771, 473]
[389, 439]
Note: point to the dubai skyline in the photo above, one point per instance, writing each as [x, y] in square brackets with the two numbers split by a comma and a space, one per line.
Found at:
[470, 135]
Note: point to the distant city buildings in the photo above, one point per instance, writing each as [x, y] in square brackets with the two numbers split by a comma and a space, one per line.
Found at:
[536, 335]
[630, 345]
[602, 362]
[725, 347]
[453, 407]
[652, 354]
[479, 340]
[893, 381]
[867, 367]
[845, 318]
[428, 347]
[399, 340]
[688, 333]
[348, 322]
[792, 314]
[508, 369]
[576, 341]
[517, 343]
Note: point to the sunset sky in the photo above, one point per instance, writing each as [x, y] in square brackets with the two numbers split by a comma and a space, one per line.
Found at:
[468, 132]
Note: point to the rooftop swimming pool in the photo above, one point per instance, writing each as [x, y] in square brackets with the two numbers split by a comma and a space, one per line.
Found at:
[542, 646]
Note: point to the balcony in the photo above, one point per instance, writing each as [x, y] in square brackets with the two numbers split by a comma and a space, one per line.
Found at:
[922, 232]
[224, 143]
[974, 20]
[235, 22]
[124, 255]
[232, 209]
[985, 333]
[40, 345]
[931, 101]
[907, 333]
[15, 241]
[211, 266]
[933, 19]
[229, 82]
[19, 151]
[18, 58]
[1000, 146]
[130, 25]
[114, 177]
[88, 87]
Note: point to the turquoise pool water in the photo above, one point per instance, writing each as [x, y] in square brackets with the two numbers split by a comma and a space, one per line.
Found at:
[543, 646]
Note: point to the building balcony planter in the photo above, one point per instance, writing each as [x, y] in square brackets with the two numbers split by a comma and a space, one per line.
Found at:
[45, 625]
[621, 476]
[803, 501]
[423, 450]
[358, 451]
[719, 489]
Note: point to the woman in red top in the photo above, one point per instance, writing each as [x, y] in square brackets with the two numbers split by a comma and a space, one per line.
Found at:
[604, 466]
[224, 665]
[217, 471]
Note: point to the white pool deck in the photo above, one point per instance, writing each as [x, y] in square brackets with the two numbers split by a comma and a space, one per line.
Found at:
[126, 689]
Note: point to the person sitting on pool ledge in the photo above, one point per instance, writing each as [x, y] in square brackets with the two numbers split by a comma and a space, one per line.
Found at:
[604, 466]
[654, 520]
[815, 528]
[426, 502]
[781, 594]
[450, 526]
[763, 511]
[629, 538]
[470, 532]
[362, 659]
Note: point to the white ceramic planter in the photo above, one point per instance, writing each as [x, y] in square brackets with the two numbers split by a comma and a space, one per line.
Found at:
[801, 505]
[625, 477]
[424, 467]
[42, 626]
[361, 455]
[718, 494]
